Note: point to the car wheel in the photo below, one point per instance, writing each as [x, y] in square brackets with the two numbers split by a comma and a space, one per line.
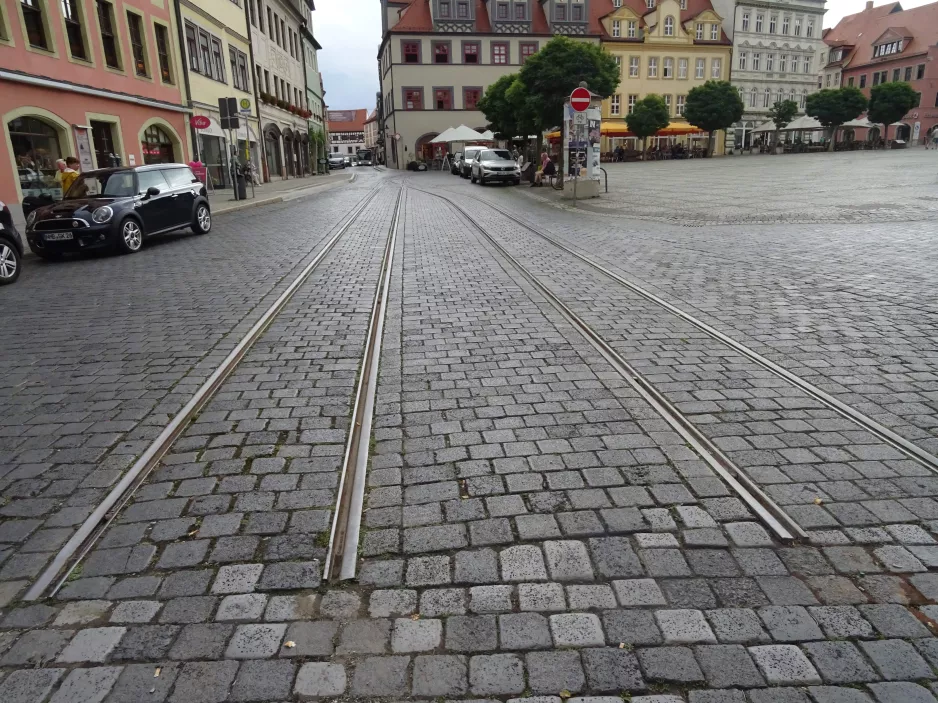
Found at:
[481, 180]
[130, 237]
[472, 179]
[202, 221]
[9, 264]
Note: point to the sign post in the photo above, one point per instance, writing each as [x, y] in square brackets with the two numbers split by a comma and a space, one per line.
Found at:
[228, 111]
[580, 100]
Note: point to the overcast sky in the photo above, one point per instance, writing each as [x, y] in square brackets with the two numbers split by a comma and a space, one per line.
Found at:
[350, 32]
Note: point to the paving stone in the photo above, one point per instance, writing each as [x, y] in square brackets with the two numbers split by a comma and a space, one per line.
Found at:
[384, 604]
[381, 676]
[789, 623]
[263, 681]
[684, 627]
[201, 641]
[87, 685]
[614, 557]
[711, 696]
[289, 576]
[82, 612]
[135, 611]
[416, 635]
[490, 599]
[784, 665]
[237, 578]
[243, 606]
[496, 674]
[837, 694]
[598, 597]
[552, 672]
[664, 562]
[892, 620]
[577, 630]
[568, 561]
[726, 666]
[737, 626]
[841, 621]
[670, 664]
[186, 610]
[898, 560]
[439, 675]
[471, 633]
[36, 647]
[479, 566]
[747, 534]
[522, 563]
[92, 645]
[786, 590]
[900, 692]
[524, 631]
[541, 597]
[612, 670]
[428, 571]
[638, 592]
[204, 682]
[340, 605]
[320, 680]
[896, 660]
[365, 637]
[778, 695]
[29, 685]
[839, 662]
[443, 601]
[256, 641]
[146, 642]
[137, 683]
[836, 590]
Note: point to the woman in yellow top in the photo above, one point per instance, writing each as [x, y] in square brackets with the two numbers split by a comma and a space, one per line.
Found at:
[70, 174]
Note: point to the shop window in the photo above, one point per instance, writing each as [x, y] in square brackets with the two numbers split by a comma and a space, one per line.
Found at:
[102, 137]
[157, 147]
[528, 49]
[35, 24]
[411, 52]
[36, 148]
[71, 13]
[499, 53]
[443, 98]
[137, 45]
[441, 52]
[162, 52]
[471, 97]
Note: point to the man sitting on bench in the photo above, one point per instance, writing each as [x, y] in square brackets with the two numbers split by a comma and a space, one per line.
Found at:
[547, 170]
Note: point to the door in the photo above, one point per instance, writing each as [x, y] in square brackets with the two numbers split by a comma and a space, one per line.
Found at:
[182, 198]
[156, 211]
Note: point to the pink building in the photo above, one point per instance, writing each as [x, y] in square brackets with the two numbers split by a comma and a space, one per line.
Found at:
[100, 80]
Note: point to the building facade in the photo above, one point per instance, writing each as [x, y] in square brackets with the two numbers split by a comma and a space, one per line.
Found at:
[101, 81]
[775, 50]
[667, 50]
[315, 100]
[218, 61]
[371, 130]
[276, 41]
[346, 131]
[886, 44]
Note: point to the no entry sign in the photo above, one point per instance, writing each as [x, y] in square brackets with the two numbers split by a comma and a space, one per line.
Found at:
[580, 99]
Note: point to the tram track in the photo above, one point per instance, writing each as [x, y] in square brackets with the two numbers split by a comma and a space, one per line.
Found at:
[84, 539]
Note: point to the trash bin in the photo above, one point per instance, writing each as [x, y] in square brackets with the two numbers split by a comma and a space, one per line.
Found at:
[242, 187]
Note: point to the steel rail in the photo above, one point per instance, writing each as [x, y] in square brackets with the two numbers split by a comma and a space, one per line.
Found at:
[94, 526]
[779, 522]
[884, 434]
[342, 556]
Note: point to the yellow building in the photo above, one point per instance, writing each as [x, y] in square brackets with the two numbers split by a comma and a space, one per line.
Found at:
[218, 59]
[666, 48]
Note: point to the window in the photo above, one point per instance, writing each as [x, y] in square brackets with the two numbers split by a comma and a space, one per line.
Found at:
[667, 102]
[444, 9]
[528, 49]
[501, 11]
[615, 105]
[471, 97]
[162, 52]
[499, 53]
[413, 98]
[679, 110]
[809, 30]
[766, 98]
[520, 10]
[411, 52]
[35, 24]
[699, 68]
[239, 69]
[616, 28]
[669, 26]
[783, 63]
[650, 4]
[283, 33]
[462, 10]
[920, 72]
[797, 26]
[863, 81]
[577, 15]
[682, 69]
[252, 9]
[759, 19]
[807, 63]
[699, 33]
[716, 68]
[743, 56]
[108, 36]
[134, 24]
[653, 67]
[560, 13]
[618, 60]
[276, 33]
[773, 23]
[683, 4]
[804, 98]
[270, 24]
[205, 54]
[76, 41]
[770, 62]
[908, 74]
[632, 100]
[617, 3]
[756, 61]
[876, 78]
[714, 32]
[745, 26]
[752, 98]
[828, 81]
[850, 81]
[667, 68]
[786, 24]
[631, 29]
[218, 60]
[634, 63]
[443, 98]
[441, 52]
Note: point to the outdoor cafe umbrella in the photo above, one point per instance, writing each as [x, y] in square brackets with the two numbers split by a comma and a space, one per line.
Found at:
[444, 137]
[462, 133]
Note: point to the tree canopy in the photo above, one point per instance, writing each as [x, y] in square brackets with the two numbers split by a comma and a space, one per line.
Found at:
[500, 107]
[781, 114]
[648, 116]
[713, 106]
[889, 102]
[549, 76]
[834, 106]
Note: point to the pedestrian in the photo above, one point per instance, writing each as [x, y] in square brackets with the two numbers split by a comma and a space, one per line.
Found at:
[69, 174]
[547, 169]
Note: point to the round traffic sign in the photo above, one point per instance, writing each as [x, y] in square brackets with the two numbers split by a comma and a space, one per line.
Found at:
[580, 99]
[200, 122]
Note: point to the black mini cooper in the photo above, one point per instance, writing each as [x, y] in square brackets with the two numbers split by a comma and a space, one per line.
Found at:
[118, 207]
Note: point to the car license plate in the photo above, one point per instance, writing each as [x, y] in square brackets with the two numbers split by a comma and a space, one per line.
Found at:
[58, 236]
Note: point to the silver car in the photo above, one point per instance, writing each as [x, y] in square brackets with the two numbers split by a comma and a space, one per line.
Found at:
[465, 164]
[495, 166]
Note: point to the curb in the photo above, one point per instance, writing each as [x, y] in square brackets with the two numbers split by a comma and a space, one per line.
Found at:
[286, 197]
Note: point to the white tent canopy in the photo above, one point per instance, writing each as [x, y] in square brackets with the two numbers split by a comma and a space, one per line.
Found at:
[804, 122]
[859, 122]
[489, 135]
[465, 134]
[445, 136]
[764, 127]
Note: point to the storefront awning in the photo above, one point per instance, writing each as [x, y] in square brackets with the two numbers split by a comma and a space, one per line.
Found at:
[214, 130]
[620, 129]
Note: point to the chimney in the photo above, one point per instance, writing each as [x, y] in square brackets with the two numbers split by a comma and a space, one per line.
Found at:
[869, 4]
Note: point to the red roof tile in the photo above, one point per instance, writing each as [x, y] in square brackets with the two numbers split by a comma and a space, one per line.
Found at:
[347, 120]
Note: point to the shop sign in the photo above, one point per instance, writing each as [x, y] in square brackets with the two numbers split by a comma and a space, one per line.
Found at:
[200, 122]
[245, 105]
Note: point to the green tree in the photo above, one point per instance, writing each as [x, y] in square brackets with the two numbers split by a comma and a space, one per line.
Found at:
[889, 102]
[713, 106]
[834, 106]
[782, 113]
[550, 75]
[648, 116]
[500, 111]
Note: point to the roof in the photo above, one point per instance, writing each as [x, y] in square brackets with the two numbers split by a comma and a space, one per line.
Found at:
[372, 117]
[347, 120]
[601, 8]
[863, 29]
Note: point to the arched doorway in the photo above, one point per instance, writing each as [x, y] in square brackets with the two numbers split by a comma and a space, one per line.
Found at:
[157, 146]
[289, 152]
[302, 145]
[272, 151]
[903, 132]
[872, 135]
[37, 144]
[424, 150]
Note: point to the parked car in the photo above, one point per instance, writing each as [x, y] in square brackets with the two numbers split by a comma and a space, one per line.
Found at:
[120, 207]
[495, 165]
[454, 164]
[336, 161]
[465, 164]
[348, 161]
[11, 248]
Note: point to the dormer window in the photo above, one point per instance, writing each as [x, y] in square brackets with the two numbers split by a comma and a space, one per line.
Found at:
[631, 31]
[501, 11]
[462, 10]
[699, 30]
[669, 26]
[650, 4]
[520, 11]
[616, 28]
[617, 3]
[444, 9]
[714, 32]
[683, 4]
[560, 13]
[577, 13]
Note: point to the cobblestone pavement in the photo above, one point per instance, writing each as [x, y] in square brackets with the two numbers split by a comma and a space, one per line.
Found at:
[534, 530]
